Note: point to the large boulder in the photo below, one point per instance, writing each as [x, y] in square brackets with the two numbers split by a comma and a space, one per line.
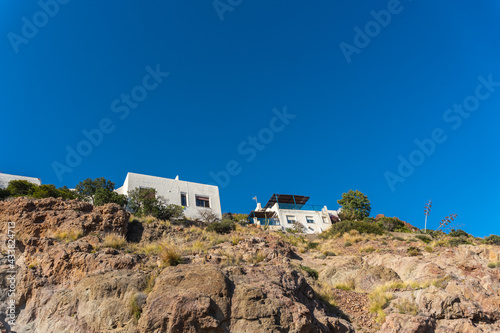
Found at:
[206, 299]
[43, 217]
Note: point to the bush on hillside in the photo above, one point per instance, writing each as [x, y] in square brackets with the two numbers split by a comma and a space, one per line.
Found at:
[23, 188]
[391, 223]
[425, 239]
[223, 227]
[458, 233]
[362, 227]
[492, 239]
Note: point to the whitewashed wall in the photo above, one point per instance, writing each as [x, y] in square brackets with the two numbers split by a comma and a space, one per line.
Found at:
[5, 179]
[171, 189]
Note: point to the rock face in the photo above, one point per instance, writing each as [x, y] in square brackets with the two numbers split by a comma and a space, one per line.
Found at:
[40, 218]
[82, 286]
[207, 299]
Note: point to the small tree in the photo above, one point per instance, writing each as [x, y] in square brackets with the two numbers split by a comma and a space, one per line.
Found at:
[143, 202]
[103, 196]
[87, 188]
[19, 188]
[209, 217]
[355, 205]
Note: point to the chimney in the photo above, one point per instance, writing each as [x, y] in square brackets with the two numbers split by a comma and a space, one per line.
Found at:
[177, 177]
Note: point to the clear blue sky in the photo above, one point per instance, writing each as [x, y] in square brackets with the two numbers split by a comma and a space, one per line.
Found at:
[359, 102]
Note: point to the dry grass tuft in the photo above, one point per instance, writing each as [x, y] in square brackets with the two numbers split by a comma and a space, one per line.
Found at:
[68, 236]
[349, 284]
[169, 254]
[114, 241]
[379, 300]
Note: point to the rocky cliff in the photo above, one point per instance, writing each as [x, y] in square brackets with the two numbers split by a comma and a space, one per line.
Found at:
[81, 268]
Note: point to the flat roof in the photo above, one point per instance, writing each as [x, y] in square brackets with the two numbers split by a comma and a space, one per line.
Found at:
[287, 199]
[179, 180]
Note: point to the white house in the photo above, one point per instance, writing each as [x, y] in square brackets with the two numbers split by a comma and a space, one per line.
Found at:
[283, 210]
[5, 179]
[194, 197]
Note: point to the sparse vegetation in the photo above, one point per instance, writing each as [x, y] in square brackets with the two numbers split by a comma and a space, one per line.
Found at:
[135, 307]
[405, 306]
[169, 254]
[325, 293]
[379, 300]
[257, 257]
[414, 251]
[223, 227]
[345, 226]
[68, 235]
[114, 240]
[349, 284]
[423, 238]
[311, 272]
[367, 249]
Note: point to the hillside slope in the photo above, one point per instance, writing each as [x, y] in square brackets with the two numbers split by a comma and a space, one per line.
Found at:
[81, 268]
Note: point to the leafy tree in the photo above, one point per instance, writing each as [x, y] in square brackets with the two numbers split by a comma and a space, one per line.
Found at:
[103, 196]
[45, 191]
[144, 202]
[4, 193]
[87, 188]
[19, 188]
[355, 206]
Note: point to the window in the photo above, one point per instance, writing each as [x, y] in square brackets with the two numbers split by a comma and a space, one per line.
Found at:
[290, 219]
[184, 201]
[324, 220]
[202, 201]
[310, 219]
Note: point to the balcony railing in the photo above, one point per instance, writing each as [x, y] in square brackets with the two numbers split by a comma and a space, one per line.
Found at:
[292, 206]
[264, 221]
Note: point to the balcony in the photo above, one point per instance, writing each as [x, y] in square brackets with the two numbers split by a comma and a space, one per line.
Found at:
[293, 206]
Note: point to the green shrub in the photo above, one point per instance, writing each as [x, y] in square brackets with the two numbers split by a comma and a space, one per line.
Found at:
[312, 245]
[391, 223]
[458, 233]
[423, 238]
[311, 272]
[414, 251]
[223, 227]
[492, 265]
[362, 227]
[403, 229]
[457, 241]
[398, 238]
[492, 239]
[346, 244]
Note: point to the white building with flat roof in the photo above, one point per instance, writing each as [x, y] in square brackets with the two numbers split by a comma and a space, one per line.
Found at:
[5, 179]
[282, 211]
[194, 197]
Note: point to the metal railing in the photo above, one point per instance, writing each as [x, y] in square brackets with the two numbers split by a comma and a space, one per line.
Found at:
[292, 206]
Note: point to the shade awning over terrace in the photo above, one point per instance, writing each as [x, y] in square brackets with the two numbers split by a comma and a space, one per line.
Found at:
[287, 199]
